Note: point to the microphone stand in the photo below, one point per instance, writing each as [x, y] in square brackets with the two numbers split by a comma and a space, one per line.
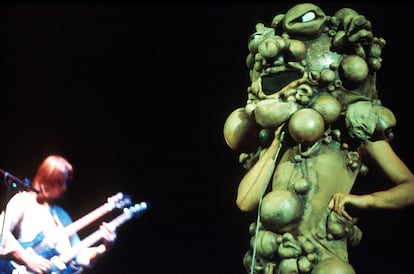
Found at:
[14, 185]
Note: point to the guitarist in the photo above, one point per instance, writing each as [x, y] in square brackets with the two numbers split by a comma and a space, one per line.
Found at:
[32, 219]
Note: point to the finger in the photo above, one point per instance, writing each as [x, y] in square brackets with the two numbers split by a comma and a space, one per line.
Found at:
[346, 214]
[334, 203]
[101, 249]
[331, 204]
[337, 204]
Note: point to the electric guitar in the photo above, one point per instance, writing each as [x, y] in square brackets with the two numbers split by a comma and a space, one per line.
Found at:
[117, 201]
[61, 262]
[44, 247]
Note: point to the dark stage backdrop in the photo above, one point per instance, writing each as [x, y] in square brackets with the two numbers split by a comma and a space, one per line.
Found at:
[136, 96]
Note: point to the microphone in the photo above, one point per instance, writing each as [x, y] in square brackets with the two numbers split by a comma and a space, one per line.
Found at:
[16, 183]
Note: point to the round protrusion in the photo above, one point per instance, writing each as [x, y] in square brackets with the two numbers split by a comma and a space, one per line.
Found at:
[306, 126]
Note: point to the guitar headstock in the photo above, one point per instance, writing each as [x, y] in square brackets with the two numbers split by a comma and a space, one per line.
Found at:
[119, 200]
[135, 209]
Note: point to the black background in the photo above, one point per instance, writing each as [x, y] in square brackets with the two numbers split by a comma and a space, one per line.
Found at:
[136, 96]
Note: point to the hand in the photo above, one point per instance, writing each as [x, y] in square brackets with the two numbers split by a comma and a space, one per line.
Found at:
[37, 264]
[340, 200]
[337, 204]
[109, 234]
[108, 239]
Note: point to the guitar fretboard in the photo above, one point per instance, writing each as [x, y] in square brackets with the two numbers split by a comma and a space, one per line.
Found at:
[97, 235]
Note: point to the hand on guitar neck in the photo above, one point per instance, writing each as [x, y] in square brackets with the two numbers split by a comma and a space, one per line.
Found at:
[105, 232]
[108, 239]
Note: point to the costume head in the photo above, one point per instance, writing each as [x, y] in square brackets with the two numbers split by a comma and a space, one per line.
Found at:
[311, 72]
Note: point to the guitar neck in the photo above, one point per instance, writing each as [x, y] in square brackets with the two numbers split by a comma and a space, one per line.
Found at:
[87, 219]
[116, 201]
[97, 235]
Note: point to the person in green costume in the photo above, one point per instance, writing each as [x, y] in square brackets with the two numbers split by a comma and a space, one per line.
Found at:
[312, 121]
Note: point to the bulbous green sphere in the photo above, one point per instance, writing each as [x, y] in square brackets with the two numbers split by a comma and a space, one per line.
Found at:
[306, 126]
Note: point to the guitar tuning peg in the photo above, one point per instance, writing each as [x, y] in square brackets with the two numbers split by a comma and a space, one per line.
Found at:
[116, 197]
[142, 205]
[120, 200]
[137, 207]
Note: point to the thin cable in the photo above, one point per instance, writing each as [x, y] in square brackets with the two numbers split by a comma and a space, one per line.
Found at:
[2, 227]
[4, 218]
[268, 176]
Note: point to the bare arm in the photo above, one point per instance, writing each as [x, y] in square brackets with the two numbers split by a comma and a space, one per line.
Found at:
[11, 249]
[252, 184]
[399, 196]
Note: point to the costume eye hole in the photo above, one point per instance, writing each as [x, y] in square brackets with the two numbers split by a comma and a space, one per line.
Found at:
[253, 37]
[309, 16]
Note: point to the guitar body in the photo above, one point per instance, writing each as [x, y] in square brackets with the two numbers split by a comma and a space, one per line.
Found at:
[40, 248]
[9, 267]
[6, 266]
